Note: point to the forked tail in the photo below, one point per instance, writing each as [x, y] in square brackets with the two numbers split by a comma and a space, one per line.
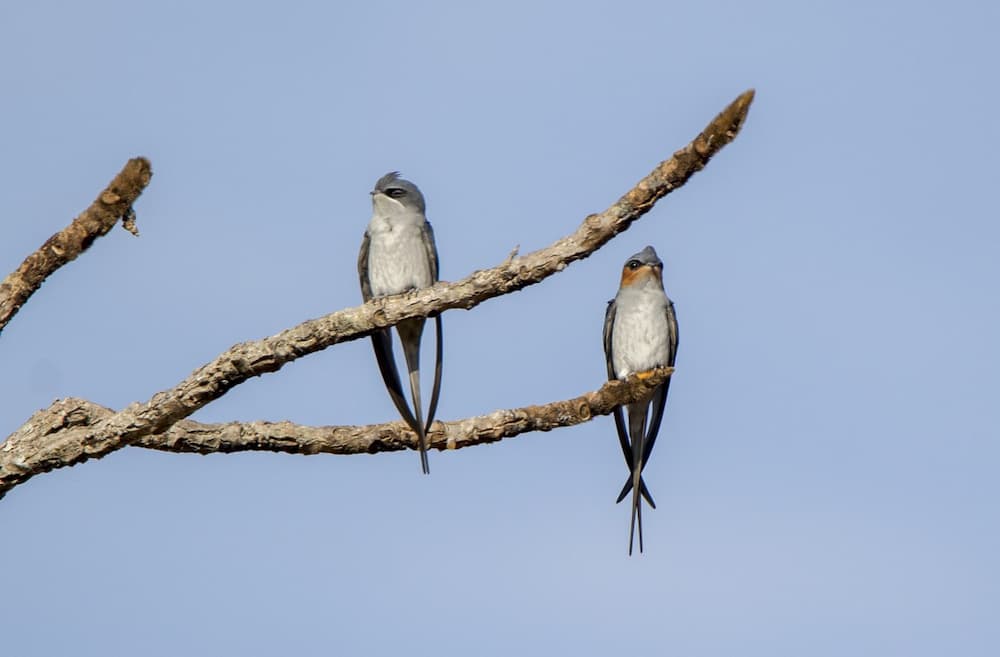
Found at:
[637, 432]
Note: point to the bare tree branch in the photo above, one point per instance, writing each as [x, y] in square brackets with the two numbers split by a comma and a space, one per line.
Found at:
[29, 451]
[61, 445]
[114, 203]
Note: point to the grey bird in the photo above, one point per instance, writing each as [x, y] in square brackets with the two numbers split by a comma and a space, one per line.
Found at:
[398, 255]
[640, 334]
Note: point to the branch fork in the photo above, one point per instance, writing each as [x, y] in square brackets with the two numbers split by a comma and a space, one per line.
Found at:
[71, 431]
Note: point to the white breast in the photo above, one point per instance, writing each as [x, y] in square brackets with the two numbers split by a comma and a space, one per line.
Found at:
[640, 339]
[397, 257]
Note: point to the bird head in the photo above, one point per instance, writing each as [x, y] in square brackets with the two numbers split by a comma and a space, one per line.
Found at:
[393, 194]
[643, 268]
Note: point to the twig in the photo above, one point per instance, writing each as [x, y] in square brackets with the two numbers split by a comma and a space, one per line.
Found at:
[114, 203]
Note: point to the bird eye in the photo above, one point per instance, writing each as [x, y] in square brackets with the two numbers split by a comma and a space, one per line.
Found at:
[395, 192]
[633, 264]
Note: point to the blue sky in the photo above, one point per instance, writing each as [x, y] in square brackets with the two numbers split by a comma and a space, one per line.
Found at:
[826, 472]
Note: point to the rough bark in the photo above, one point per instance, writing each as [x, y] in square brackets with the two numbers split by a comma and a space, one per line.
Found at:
[36, 449]
[20, 450]
[114, 203]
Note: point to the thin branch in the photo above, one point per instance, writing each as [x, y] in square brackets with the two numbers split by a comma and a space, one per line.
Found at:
[19, 455]
[114, 203]
[250, 359]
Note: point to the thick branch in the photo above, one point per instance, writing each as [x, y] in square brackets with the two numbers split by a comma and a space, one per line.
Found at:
[114, 203]
[19, 455]
[249, 359]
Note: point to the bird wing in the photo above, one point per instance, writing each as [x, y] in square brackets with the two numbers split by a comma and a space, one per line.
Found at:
[427, 235]
[382, 343]
[366, 286]
[609, 327]
[436, 389]
[660, 396]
